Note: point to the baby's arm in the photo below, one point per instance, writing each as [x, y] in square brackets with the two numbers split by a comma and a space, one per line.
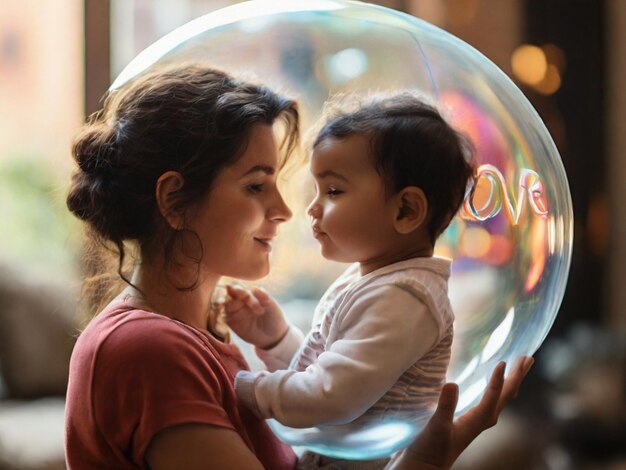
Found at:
[257, 318]
[386, 331]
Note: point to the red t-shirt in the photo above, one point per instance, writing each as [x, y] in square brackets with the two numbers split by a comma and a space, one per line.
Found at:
[134, 373]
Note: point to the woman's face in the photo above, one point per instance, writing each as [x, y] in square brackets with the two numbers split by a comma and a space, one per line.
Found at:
[238, 220]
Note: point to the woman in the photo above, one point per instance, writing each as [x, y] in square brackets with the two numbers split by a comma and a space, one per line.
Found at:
[183, 164]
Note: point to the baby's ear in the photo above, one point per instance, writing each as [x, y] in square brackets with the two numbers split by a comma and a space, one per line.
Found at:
[412, 209]
[167, 185]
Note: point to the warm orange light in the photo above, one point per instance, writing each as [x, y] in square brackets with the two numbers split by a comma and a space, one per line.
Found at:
[538, 250]
[444, 251]
[529, 64]
[551, 81]
[555, 56]
[500, 250]
[476, 242]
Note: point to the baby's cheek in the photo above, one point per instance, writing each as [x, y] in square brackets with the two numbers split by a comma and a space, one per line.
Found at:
[339, 223]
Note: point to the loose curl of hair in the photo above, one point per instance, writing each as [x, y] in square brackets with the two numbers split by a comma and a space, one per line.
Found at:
[191, 119]
[411, 145]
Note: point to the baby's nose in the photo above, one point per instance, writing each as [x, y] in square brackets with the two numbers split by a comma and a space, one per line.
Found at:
[314, 210]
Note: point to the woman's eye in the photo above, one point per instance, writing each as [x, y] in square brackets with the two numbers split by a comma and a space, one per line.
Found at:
[333, 192]
[254, 188]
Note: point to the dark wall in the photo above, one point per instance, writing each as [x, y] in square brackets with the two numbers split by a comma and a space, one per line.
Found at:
[575, 117]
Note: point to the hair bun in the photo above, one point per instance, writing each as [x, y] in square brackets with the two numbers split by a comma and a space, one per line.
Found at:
[92, 196]
[95, 148]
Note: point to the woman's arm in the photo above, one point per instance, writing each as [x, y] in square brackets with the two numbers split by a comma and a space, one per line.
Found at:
[437, 447]
[200, 446]
[443, 439]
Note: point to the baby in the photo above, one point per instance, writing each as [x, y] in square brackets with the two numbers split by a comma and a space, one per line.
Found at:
[390, 177]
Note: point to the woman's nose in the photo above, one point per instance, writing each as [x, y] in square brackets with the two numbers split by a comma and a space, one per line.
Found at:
[279, 211]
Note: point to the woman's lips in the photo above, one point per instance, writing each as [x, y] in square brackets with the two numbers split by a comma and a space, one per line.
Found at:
[264, 242]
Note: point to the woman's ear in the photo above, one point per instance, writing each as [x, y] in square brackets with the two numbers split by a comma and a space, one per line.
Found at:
[167, 185]
[412, 209]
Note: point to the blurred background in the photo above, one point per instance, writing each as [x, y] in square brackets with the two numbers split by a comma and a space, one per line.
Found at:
[57, 58]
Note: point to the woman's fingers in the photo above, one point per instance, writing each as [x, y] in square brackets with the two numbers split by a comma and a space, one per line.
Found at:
[447, 402]
[444, 438]
[514, 380]
[444, 414]
[432, 449]
[500, 391]
[489, 403]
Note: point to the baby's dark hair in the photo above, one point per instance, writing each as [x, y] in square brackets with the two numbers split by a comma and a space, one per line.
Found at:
[412, 145]
[191, 119]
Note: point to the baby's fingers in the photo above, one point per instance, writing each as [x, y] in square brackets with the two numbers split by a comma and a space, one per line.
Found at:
[264, 298]
[246, 299]
[233, 306]
[236, 291]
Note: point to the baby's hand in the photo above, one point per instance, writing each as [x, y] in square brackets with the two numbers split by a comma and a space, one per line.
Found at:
[254, 316]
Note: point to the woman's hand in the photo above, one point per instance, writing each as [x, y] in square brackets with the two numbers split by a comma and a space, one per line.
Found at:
[255, 316]
[444, 439]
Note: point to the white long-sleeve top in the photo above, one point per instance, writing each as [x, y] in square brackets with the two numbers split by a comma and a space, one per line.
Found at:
[379, 346]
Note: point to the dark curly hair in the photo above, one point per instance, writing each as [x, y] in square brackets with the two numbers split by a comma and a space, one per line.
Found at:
[191, 119]
[411, 145]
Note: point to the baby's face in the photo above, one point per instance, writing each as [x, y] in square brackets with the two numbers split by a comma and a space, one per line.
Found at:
[350, 215]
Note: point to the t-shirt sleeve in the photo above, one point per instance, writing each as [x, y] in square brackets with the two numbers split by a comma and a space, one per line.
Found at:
[386, 331]
[151, 375]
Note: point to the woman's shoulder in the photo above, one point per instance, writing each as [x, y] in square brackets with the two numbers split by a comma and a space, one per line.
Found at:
[124, 332]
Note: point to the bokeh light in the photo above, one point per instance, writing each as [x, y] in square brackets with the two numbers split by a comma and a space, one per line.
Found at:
[539, 67]
[529, 64]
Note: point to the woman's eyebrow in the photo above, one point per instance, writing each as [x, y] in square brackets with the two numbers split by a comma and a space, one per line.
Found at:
[268, 170]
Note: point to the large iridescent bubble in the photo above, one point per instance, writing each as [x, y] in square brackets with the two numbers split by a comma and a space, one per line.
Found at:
[512, 242]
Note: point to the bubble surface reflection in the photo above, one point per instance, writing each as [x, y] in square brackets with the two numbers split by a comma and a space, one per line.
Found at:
[512, 242]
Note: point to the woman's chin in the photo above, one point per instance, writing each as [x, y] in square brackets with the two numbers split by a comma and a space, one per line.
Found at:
[253, 273]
